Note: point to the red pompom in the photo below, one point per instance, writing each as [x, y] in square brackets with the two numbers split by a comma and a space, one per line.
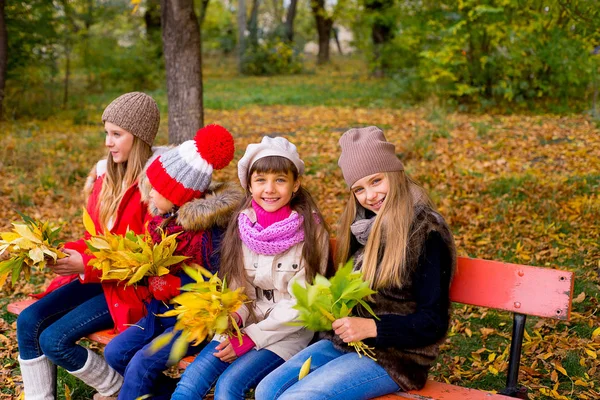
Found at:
[215, 145]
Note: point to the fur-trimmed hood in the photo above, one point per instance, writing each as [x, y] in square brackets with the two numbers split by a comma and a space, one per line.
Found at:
[213, 209]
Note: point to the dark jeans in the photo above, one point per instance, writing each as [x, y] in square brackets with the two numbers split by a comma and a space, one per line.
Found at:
[53, 325]
[128, 354]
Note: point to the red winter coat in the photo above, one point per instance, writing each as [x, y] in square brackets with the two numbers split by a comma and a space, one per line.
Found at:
[125, 303]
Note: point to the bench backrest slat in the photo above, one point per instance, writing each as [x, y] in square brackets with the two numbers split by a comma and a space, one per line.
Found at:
[543, 292]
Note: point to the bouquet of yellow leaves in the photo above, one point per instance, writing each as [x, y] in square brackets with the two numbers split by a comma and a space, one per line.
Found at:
[204, 309]
[326, 300]
[30, 244]
[131, 257]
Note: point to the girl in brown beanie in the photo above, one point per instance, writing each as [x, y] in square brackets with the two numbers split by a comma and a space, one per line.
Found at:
[76, 304]
[405, 249]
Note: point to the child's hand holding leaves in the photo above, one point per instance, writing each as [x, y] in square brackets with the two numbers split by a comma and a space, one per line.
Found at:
[328, 303]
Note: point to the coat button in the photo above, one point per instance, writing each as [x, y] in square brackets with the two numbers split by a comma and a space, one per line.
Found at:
[255, 265]
[116, 304]
[278, 265]
[295, 266]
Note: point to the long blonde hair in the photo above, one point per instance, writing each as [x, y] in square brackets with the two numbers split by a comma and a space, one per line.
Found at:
[119, 177]
[385, 261]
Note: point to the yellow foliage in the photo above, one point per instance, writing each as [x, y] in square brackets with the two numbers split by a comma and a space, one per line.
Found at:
[30, 244]
[131, 257]
[203, 309]
[305, 369]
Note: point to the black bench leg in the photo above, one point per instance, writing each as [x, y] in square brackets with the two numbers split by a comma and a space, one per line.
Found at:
[515, 359]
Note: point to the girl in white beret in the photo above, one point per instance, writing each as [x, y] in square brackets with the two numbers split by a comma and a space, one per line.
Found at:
[276, 238]
[405, 249]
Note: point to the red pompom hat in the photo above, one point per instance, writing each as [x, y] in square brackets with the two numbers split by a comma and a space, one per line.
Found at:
[184, 173]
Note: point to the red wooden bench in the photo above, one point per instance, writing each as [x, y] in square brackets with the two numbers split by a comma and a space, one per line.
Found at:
[520, 289]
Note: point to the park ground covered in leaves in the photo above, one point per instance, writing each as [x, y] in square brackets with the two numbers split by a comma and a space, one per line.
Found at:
[522, 189]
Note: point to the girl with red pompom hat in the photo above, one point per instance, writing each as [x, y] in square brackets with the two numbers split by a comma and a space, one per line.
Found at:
[183, 200]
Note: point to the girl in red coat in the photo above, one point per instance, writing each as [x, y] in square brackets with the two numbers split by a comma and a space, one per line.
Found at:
[182, 202]
[76, 304]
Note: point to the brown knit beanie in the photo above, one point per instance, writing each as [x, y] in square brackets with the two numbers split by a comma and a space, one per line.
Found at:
[135, 112]
[366, 152]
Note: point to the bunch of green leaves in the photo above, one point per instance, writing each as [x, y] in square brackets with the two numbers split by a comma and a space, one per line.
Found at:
[30, 244]
[131, 257]
[326, 300]
[205, 308]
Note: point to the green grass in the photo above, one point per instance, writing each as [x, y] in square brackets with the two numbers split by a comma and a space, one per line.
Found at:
[345, 82]
[512, 188]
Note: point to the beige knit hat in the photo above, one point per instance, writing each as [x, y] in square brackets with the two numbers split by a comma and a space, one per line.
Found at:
[135, 112]
[366, 152]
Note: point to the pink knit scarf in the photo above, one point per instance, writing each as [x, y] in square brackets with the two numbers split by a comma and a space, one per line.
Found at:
[274, 239]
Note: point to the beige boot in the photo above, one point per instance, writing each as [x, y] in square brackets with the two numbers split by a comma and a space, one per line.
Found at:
[39, 378]
[98, 374]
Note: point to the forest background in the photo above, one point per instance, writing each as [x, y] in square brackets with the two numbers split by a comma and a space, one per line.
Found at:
[492, 106]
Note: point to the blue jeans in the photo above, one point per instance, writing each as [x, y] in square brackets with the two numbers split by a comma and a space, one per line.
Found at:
[53, 325]
[232, 380]
[333, 375]
[128, 354]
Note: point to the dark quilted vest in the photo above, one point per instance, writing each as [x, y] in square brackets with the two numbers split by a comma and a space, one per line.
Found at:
[408, 367]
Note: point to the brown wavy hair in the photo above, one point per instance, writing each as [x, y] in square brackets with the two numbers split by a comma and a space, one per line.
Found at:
[315, 227]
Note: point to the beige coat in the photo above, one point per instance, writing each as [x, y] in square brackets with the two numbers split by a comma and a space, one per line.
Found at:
[273, 311]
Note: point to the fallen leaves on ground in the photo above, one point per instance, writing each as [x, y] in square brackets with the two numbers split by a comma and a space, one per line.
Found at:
[522, 189]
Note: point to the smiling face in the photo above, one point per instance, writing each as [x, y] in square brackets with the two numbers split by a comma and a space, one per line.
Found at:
[273, 190]
[162, 204]
[371, 191]
[118, 141]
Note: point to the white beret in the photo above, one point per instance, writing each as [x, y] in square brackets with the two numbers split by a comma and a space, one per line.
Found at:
[268, 146]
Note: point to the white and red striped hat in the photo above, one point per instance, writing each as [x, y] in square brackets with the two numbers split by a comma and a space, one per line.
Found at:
[184, 173]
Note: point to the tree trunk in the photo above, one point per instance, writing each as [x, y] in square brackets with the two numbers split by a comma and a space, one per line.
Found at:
[202, 14]
[88, 21]
[382, 32]
[289, 21]
[337, 41]
[67, 74]
[183, 62]
[253, 23]
[241, 20]
[152, 18]
[324, 25]
[3, 57]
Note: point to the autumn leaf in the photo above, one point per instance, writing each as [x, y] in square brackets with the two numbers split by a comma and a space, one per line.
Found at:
[591, 353]
[580, 298]
[88, 223]
[305, 369]
[130, 257]
[324, 301]
[560, 369]
[203, 308]
[29, 244]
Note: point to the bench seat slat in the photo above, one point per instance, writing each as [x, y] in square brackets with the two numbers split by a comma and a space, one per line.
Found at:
[543, 292]
[445, 391]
